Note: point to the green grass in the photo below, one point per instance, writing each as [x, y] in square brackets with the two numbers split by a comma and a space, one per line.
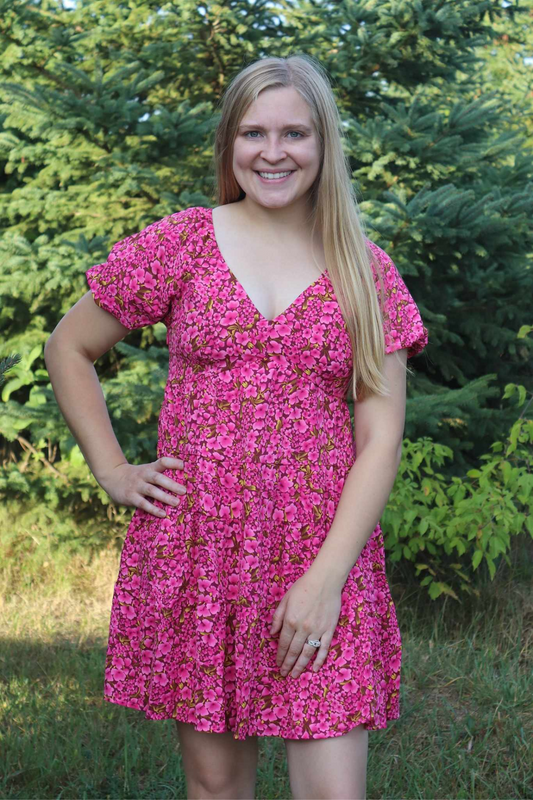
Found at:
[466, 696]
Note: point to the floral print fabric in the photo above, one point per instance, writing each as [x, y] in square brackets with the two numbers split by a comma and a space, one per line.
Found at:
[256, 410]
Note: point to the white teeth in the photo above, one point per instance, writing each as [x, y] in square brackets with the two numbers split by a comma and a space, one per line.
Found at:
[274, 175]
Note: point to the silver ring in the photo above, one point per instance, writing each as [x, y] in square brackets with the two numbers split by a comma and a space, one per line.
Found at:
[313, 642]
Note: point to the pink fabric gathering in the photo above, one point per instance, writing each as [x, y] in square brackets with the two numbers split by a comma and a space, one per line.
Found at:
[256, 410]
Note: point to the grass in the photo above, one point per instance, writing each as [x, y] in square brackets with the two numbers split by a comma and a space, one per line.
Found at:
[465, 731]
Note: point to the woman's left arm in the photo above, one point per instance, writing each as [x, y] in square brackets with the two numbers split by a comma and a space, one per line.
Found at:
[312, 605]
[379, 425]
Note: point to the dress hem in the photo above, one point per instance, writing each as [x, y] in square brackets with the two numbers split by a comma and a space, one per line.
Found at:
[368, 723]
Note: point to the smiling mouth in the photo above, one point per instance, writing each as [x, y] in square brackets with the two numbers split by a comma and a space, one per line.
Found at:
[288, 173]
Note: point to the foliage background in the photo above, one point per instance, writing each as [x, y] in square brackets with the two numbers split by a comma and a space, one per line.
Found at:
[107, 112]
[107, 115]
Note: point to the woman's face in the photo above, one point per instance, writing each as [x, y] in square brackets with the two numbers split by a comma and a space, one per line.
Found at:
[276, 135]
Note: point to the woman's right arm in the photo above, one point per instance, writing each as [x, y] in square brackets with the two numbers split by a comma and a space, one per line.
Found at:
[84, 334]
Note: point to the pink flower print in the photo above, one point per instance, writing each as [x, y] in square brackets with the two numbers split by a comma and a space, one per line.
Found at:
[260, 413]
[269, 714]
[128, 612]
[173, 584]
[224, 512]
[317, 334]
[208, 503]
[212, 706]
[276, 593]
[163, 649]
[147, 656]
[156, 266]
[111, 290]
[353, 686]
[344, 674]
[208, 608]
[131, 281]
[329, 307]
[210, 640]
[252, 562]
[330, 507]
[276, 350]
[271, 730]
[149, 281]
[117, 672]
[278, 516]
[348, 653]
[395, 662]
[249, 391]
[229, 318]
[317, 729]
[196, 590]
[211, 696]
[282, 711]
[300, 425]
[134, 583]
[298, 709]
[225, 438]
[233, 593]
[161, 539]
[308, 359]
[243, 338]
[283, 328]
[229, 480]
[294, 412]
[133, 560]
[306, 679]
[236, 509]
[160, 679]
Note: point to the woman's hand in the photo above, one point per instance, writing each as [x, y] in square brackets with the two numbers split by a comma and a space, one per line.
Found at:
[310, 609]
[131, 484]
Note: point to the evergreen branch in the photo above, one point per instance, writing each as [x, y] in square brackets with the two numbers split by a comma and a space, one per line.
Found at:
[29, 447]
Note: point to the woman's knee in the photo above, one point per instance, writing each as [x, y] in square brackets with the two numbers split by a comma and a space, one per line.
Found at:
[217, 765]
[330, 768]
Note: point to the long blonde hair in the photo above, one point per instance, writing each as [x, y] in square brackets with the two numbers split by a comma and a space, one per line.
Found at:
[333, 198]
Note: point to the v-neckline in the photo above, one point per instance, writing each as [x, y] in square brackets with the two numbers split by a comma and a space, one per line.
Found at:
[249, 300]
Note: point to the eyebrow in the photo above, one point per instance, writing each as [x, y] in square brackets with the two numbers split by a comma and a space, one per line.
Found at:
[289, 125]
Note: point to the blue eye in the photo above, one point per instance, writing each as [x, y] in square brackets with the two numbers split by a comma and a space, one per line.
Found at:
[248, 132]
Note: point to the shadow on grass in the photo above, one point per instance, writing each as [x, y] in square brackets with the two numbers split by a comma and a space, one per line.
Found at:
[62, 739]
[466, 711]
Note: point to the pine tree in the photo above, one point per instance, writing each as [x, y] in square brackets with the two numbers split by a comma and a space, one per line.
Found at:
[107, 124]
[442, 164]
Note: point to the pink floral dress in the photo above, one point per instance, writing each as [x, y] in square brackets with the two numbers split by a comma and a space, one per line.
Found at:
[256, 410]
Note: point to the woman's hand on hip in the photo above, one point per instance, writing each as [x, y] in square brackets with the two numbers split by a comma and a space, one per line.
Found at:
[132, 484]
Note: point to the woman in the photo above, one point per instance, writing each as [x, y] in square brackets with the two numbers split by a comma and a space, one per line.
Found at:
[252, 598]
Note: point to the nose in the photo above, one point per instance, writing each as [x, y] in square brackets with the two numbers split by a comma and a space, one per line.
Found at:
[273, 151]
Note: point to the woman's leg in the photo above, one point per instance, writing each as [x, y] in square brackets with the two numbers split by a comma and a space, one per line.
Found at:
[329, 769]
[217, 765]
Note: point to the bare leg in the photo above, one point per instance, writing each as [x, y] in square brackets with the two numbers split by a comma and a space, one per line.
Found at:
[329, 769]
[217, 765]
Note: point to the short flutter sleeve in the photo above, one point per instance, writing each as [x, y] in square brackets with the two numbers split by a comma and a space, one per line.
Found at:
[402, 323]
[141, 275]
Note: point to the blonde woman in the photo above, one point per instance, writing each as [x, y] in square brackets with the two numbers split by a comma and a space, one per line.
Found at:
[252, 598]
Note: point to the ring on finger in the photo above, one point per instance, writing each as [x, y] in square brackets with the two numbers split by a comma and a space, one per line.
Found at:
[315, 645]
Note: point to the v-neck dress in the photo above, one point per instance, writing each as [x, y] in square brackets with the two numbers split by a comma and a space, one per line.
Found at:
[256, 409]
